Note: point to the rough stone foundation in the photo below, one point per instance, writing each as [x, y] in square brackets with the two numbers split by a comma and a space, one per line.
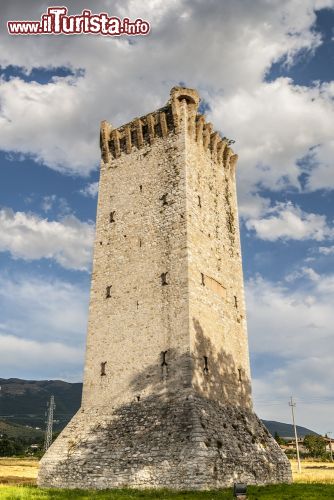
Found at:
[185, 443]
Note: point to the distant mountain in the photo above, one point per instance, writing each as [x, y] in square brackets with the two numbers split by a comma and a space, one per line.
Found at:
[286, 430]
[24, 402]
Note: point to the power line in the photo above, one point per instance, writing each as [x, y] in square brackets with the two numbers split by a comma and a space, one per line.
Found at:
[301, 401]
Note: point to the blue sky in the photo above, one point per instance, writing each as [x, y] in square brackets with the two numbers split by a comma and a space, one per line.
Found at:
[265, 73]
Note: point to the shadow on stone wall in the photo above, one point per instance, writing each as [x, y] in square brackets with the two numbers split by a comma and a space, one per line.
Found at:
[218, 377]
[171, 436]
[181, 442]
[170, 374]
[215, 374]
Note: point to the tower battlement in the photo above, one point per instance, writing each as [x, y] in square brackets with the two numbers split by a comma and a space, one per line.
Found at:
[143, 131]
[167, 387]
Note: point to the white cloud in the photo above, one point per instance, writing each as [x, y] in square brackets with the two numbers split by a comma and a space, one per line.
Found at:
[306, 381]
[286, 221]
[22, 358]
[43, 309]
[91, 189]
[251, 205]
[285, 316]
[275, 124]
[225, 50]
[307, 272]
[290, 331]
[48, 202]
[27, 236]
[61, 136]
[43, 327]
[54, 202]
[327, 250]
[321, 176]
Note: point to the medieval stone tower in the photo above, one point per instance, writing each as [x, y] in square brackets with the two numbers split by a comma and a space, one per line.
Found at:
[167, 394]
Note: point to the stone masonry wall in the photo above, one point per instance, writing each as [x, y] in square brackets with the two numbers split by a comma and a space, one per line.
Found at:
[141, 253]
[186, 442]
[217, 313]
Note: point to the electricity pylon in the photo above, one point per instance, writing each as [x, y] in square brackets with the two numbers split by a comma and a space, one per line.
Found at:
[49, 423]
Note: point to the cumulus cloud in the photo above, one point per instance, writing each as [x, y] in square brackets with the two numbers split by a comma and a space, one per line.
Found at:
[43, 309]
[23, 358]
[283, 315]
[225, 51]
[291, 336]
[286, 221]
[90, 190]
[305, 380]
[60, 131]
[303, 272]
[275, 124]
[56, 203]
[43, 327]
[327, 250]
[27, 236]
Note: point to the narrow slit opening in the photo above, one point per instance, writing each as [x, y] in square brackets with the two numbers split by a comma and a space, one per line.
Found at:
[164, 199]
[103, 368]
[163, 277]
[164, 364]
[239, 374]
[163, 358]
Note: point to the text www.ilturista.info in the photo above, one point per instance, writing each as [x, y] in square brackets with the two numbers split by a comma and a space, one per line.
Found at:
[56, 22]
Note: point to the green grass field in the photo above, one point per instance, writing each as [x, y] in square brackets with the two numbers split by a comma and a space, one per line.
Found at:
[18, 479]
[279, 492]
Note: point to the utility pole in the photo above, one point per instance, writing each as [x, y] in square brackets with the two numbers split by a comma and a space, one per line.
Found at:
[293, 404]
[49, 423]
[330, 445]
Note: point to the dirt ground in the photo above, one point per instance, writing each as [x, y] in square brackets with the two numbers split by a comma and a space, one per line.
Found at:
[24, 471]
[313, 472]
[18, 471]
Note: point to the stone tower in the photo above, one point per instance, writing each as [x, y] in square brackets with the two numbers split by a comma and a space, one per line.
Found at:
[167, 394]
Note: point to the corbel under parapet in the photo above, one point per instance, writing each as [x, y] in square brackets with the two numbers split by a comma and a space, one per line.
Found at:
[105, 131]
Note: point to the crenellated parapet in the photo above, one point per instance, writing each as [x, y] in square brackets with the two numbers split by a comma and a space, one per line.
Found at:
[140, 132]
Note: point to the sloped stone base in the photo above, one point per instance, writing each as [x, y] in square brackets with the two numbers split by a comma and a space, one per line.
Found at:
[187, 443]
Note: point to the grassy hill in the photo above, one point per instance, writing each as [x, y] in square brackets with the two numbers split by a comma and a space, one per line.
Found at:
[24, 402]
[286, 430]
[20, 431]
